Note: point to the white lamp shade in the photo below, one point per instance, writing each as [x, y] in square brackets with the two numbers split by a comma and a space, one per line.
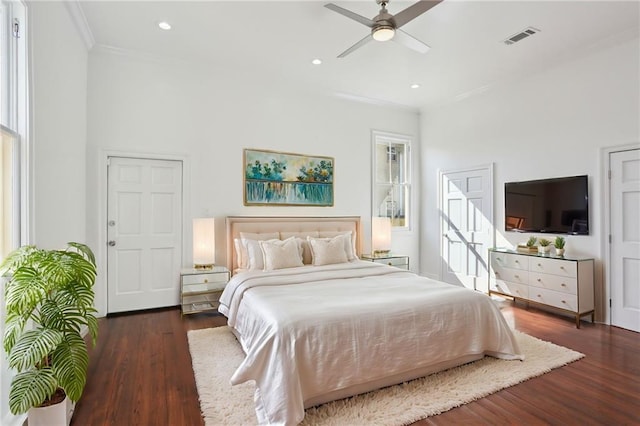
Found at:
[381, 234]
[204, 242]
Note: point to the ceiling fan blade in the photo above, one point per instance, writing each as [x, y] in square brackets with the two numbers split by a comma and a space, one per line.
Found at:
[409, 41]
[413, 11]
[359, 44]
[349, 14]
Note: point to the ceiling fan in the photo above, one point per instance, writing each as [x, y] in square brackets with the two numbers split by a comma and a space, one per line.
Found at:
[385, 26]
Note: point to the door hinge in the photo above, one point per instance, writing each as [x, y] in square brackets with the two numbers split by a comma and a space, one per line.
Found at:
[609, 238]
[16, 28]
[609, 302]
[609, 174]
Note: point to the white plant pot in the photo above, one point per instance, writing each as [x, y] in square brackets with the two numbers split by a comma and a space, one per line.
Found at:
[53, 415]
[544, 249]
[559, 252]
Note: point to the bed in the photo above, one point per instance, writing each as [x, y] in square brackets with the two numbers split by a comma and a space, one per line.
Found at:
[314, 333]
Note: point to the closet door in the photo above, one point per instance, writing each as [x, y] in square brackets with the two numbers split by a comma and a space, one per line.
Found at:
[467, 226]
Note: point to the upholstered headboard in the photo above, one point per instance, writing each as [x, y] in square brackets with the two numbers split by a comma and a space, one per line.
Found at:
[259, 224]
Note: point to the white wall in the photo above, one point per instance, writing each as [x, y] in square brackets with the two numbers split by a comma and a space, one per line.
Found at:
[550, 124]
[59, 98]
[209, 116]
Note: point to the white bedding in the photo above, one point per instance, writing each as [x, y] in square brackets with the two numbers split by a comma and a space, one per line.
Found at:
[312, 331]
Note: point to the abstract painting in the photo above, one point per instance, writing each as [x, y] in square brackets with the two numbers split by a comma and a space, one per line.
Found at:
[280, 178]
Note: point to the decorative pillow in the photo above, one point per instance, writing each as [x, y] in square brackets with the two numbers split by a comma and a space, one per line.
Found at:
[249, 257]
[327, 251]
[302, 237]
[278, 254]
[349, 241]
[237, 245]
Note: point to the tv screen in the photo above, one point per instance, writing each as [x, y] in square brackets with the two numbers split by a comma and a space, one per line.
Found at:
[555, 206]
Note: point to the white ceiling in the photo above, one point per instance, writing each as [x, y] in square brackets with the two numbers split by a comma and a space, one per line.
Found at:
[278, 40]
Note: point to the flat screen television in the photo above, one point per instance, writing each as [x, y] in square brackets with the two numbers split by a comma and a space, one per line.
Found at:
[554, 206]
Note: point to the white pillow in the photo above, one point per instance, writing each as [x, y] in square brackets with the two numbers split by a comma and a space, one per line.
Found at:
[278, 254]
[302, 237]
[253, 255]
[349, 241]
[327, 251]
[237, 245]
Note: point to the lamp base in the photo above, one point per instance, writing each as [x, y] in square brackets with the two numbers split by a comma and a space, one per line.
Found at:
[381, 253]
[207, 266]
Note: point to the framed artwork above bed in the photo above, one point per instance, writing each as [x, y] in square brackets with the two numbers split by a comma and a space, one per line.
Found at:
[287, 179]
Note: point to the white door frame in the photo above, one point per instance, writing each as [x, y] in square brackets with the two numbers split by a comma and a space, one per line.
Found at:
[101, 250]
[441, 174]
[606, 221]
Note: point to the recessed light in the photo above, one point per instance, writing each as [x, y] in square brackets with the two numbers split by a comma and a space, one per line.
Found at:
[316, 61]
[415, 86]
[164, 25]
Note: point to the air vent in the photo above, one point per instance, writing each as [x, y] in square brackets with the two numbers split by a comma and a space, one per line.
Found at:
[521, 35]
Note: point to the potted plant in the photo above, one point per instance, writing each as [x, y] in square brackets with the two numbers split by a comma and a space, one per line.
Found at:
[545, 245]
[531, 243]
[49, 300]
[559, 243]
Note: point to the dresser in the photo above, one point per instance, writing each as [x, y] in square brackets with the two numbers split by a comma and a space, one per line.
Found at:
[397, 260]
[558, 282]
[201, 288]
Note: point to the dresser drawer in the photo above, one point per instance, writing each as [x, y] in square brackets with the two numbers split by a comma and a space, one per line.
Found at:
[554, 266]
[512, 275]
[554, 298]
[554, 282]
[508, 288]
[507, 260]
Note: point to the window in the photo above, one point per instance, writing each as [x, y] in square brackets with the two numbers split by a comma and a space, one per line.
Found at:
[13, 156]
[392, 178]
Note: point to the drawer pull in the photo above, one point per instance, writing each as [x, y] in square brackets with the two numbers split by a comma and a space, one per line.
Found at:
[564, 302]
[499, 258]
[206, 280]
[562, 267]
[539, 295]
[563, 285]
[497, 273]
[539, 265]
[517, 261]
[517, 276]
[539, 280]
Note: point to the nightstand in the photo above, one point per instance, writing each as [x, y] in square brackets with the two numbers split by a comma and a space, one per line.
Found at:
[398, 260]
[201, 288]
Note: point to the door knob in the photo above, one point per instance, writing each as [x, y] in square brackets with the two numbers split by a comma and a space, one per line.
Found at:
[111, 243]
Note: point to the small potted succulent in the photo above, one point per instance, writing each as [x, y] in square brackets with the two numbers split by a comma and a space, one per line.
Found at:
[545, 245]
[559, 243]
[531, 243]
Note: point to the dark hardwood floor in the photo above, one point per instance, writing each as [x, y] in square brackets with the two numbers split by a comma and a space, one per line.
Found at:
[140, 374]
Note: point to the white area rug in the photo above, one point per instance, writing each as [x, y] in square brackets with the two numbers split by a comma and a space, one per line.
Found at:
[216, 354]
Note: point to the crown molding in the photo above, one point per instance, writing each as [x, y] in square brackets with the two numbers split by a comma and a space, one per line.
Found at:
[80, 22]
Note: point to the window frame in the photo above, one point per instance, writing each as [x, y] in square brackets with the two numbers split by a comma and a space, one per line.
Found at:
[404, 187]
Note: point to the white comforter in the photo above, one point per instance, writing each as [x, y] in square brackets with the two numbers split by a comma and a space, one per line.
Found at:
[313, 330]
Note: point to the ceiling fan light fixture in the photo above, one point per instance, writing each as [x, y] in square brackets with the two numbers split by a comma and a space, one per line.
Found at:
[383, 33]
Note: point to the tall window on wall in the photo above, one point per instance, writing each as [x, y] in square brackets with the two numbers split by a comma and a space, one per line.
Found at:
[392, 178]
[13, 156]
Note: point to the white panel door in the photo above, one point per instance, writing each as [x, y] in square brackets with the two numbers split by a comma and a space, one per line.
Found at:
[467, 226]
[625, 238]
[144, 233]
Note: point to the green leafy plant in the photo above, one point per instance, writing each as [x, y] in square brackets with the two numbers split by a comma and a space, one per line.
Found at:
[544, 242]
[559, 242]
[531, 241]
[52, 289]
